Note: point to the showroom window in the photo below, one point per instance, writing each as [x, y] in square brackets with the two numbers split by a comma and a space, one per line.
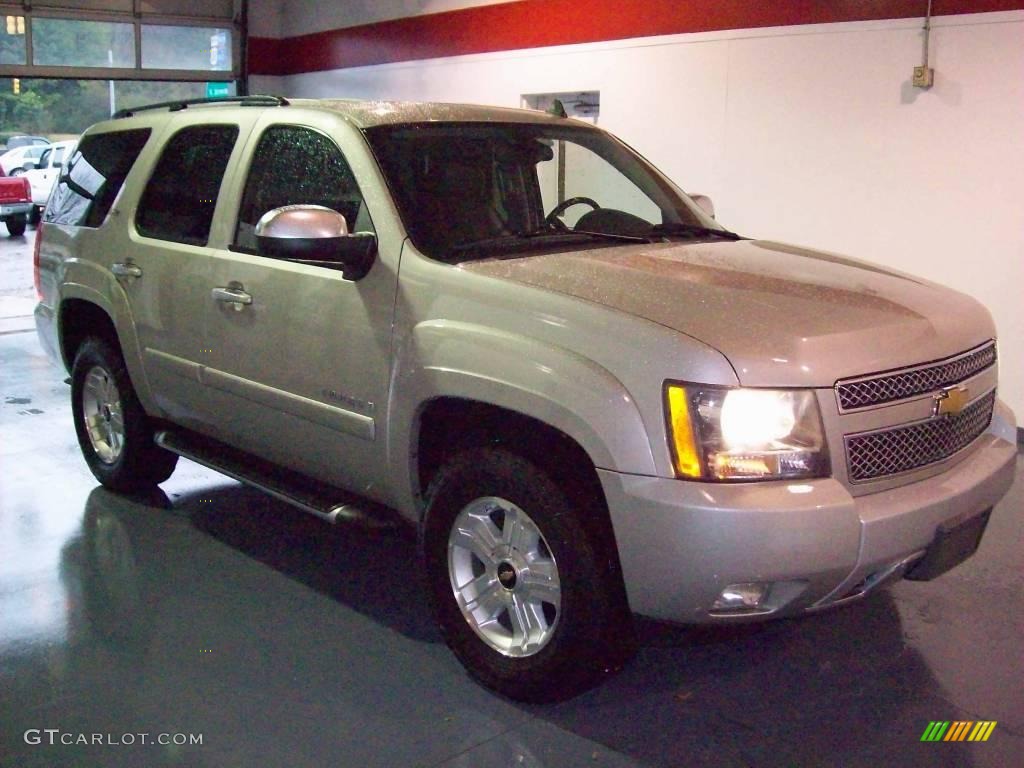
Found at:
[89, 184]
[295, 165]
[77, 43]
[55, 44]
[181, 195]
[65, 64]
[12, 40]
[174, 47]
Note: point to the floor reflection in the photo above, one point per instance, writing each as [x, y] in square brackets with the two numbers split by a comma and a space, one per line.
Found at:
[185, 586]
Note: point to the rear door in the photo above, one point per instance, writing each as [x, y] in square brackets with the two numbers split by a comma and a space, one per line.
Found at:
[301, 373]
[166, 269]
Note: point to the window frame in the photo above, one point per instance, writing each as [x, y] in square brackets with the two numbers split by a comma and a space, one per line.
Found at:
[144, 134]
[383, 140]
[165, 145]
[256, 141]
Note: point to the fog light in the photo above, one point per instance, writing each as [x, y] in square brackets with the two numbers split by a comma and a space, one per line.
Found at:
[741, 597]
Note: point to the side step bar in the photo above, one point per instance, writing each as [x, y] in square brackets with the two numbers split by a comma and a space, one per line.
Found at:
[306, 493]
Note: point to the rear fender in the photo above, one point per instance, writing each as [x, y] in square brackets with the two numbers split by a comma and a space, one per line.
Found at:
[91, 282]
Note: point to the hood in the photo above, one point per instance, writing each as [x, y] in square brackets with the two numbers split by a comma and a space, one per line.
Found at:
[783, 316]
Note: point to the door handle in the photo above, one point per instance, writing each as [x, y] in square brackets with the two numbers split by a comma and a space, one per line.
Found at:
[236, 297]
[126, 269]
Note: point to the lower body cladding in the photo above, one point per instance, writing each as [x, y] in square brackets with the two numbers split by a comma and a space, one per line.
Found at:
[714, 552]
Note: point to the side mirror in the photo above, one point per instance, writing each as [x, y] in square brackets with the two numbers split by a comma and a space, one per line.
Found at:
[705, 204]
[316, 235]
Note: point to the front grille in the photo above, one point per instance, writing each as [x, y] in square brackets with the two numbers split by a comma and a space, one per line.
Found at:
[889, 452]
[902, 384]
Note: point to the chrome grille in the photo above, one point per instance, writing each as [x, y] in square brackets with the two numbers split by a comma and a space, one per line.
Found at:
[889, 452]
[907, 383]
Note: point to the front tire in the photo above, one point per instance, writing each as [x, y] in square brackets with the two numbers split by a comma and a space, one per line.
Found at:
[113, 430]
[518, 579]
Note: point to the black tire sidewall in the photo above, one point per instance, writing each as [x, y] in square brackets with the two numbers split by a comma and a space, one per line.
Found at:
[16, 227]
[580, 649]
[141, 463]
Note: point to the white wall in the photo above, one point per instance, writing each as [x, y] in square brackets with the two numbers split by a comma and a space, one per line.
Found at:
[289, 18]
[808, 134]
[265, 18]
[315, 17]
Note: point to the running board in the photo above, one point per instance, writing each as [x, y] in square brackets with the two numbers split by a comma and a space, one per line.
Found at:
[306, 493]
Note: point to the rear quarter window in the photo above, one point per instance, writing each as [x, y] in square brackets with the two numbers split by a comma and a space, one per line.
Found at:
[90, 180]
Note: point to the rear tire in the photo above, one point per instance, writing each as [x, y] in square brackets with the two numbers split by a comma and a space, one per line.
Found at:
[114, 433]
[518, 578]
[16, 227]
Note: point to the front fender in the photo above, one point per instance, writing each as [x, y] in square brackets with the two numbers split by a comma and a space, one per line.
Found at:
[552, 384]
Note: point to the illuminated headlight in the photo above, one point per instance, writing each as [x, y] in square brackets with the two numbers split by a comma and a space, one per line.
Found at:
[744, 434]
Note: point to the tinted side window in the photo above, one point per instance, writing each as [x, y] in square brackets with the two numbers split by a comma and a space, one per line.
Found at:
[181, 194]
[295, 165]
[90, 180]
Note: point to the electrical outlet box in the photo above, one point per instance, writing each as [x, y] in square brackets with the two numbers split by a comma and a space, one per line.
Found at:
[923, 77]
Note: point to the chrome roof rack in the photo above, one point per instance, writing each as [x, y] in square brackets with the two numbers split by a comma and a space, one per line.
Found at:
[177, 106]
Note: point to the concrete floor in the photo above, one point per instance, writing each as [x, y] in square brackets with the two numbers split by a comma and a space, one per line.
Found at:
[210, 609]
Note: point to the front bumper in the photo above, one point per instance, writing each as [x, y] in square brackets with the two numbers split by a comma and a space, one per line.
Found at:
[681, 543]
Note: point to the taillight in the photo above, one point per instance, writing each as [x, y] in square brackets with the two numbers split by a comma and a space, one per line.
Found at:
[35, 261]
[27, 189]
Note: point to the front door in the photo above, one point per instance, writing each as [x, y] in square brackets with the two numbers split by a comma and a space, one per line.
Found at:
[300, 363]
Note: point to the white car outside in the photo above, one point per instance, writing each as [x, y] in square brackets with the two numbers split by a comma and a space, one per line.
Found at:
[43, 178]
[13, 161]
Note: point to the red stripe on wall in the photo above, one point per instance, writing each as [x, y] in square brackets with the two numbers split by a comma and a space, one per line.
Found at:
[542, 23]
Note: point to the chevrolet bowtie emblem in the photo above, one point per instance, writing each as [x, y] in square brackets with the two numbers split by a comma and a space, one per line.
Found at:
[950, 401]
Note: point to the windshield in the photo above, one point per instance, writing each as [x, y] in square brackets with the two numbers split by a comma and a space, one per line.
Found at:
[485, 190]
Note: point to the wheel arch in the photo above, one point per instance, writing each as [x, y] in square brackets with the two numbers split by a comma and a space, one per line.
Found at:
[450, 426]
[457, 386]
[84, 312]
[77, 320]
[469, 370]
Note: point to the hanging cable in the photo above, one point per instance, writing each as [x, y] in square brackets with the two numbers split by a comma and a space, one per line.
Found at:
[927, 32]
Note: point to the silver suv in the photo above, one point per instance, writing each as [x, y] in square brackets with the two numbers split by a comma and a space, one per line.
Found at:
[514, 333]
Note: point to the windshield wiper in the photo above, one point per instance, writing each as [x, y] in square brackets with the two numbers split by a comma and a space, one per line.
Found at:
[487, 242]
[610, 235]
[695, 230]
